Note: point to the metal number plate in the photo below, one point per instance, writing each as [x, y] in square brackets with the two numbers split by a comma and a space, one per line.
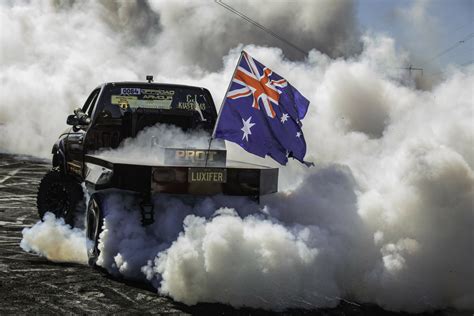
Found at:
[215, 175]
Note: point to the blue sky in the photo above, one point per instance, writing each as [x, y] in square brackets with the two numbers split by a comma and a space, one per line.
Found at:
[425, 28]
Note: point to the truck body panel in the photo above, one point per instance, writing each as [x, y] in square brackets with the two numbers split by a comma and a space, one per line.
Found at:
[236, 178]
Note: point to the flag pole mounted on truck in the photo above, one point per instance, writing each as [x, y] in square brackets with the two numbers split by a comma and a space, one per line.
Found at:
[220, 109]
[225, 96]
[262, 112]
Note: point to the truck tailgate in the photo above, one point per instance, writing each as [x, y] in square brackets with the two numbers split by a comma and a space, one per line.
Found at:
[243, 179]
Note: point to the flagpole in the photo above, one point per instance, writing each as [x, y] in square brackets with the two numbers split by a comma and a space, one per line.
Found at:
[222, 105]
[223, 100]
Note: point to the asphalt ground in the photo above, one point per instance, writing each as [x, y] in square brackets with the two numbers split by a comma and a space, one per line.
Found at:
[29, 284]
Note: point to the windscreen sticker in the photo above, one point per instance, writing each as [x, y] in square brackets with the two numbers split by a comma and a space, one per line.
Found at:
[191, 102]
[133, 102]
[118, 99]
[130, 91]
[158, 92]
[157, 97]
[151, 104]
[122, 101]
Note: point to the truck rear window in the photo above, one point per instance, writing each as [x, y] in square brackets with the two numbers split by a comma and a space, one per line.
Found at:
[119, 99]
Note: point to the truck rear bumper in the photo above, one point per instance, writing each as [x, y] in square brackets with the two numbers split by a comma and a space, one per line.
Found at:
[102, 174]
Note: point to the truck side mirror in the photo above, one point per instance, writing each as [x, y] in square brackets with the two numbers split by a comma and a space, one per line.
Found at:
[72, 120]
[78, 119]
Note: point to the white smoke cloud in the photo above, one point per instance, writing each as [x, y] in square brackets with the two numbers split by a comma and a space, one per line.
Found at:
[211, 31]
[126, 246]
[149, 144]
[55, 240]
[385, 218]
[243, 262]
[56, 52]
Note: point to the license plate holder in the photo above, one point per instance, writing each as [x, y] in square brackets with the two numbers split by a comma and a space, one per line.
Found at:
[207, 175]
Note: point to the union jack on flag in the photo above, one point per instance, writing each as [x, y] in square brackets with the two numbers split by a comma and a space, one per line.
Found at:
[262, 84]
[262, 112]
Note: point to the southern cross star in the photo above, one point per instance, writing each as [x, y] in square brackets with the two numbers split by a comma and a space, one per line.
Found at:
[298, 134]
[284, 118]
[246, 128]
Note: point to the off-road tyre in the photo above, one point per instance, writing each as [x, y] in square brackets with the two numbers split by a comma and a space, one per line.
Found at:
[61, 195]
[94, 223]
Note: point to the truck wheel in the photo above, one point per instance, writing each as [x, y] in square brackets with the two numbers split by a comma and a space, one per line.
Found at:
[60, 195]
[94, 223]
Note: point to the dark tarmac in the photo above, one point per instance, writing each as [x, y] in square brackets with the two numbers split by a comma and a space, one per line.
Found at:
[30, 284]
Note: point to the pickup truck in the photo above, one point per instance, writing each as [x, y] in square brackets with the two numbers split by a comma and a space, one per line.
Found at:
[116, 111]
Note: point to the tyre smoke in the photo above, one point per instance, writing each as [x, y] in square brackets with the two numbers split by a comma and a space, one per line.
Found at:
[149, 145]
[55, 240]
[386, 217]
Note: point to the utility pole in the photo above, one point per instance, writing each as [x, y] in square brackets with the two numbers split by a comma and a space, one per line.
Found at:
[410, 68]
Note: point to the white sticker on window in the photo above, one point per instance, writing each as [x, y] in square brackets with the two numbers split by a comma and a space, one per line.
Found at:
[130, 91]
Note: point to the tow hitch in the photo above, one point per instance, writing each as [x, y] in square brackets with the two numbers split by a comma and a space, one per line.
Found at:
[147, 210]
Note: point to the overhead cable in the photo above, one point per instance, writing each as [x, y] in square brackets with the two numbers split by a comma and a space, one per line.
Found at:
[447, 50]
[255, 23]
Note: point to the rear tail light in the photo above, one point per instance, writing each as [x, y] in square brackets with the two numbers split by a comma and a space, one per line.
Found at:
[164, 175]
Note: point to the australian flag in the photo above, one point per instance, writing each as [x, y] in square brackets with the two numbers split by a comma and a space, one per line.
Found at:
[262, 112]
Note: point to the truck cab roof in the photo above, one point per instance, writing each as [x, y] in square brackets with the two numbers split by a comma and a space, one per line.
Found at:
[149, 84]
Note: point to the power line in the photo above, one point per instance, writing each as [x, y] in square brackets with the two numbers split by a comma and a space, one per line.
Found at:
[447, 50]
[462, 26]
[255, 23]
[435, 74]
[410, 68]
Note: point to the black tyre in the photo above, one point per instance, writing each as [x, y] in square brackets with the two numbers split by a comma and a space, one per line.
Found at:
[94, 223]
[61, 195]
